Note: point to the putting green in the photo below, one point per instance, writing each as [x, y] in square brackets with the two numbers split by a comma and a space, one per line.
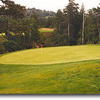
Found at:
[52, 55]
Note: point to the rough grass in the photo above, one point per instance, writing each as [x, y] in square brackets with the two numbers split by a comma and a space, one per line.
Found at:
[68, 78]
[52, 55]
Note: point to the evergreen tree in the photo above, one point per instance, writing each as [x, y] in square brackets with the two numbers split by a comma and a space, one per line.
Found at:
[91, 30]
[73, 22]
[11, 9]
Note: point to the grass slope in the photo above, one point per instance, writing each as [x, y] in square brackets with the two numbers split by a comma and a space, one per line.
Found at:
[69, 78]
[52, 55]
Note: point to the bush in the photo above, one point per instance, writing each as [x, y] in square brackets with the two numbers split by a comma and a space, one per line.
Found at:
[11, 46]
[2, 49]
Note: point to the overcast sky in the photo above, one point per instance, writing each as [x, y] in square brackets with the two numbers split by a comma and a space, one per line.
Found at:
[54, 5]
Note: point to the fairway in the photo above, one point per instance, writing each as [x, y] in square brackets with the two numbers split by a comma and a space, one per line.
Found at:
[46, 30]
[69, 78]
[55, 70]
[52, 55]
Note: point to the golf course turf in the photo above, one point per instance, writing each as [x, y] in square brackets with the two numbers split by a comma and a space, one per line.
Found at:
[55, 70]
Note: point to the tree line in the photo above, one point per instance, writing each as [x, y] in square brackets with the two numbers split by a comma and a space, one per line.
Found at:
[20, 32]
[73, 26]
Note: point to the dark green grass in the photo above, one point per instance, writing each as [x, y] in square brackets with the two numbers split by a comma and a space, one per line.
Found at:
[67, 78]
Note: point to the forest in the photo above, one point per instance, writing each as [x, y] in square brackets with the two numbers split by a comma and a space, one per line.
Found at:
[20, 28]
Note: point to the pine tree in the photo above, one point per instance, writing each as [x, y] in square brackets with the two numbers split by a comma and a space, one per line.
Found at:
[73, 21]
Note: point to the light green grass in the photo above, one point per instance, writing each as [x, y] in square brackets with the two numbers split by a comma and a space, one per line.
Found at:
[69, 78]
[52, 55]
[56, 70]
[2, 34]
[46, 30]
[2, 39]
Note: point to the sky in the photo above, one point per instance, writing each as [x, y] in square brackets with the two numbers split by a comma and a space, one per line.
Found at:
[54, 5]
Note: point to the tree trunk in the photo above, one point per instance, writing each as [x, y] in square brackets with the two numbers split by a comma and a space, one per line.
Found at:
[68, 30]
[83, 29]
[98, 26]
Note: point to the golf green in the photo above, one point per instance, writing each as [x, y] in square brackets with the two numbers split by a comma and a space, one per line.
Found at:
[52, 55]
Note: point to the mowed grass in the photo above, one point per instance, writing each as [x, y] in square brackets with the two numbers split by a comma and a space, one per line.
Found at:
[69, 78]
[46, 30]
[52, 55]
[55, 70]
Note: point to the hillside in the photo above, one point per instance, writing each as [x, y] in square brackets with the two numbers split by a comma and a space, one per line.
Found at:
[40, 13]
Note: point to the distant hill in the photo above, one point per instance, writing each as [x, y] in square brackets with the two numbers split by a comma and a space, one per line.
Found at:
[40, 13]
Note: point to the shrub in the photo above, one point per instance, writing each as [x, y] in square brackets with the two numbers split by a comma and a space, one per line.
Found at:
[2, 49]
[11, 46]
